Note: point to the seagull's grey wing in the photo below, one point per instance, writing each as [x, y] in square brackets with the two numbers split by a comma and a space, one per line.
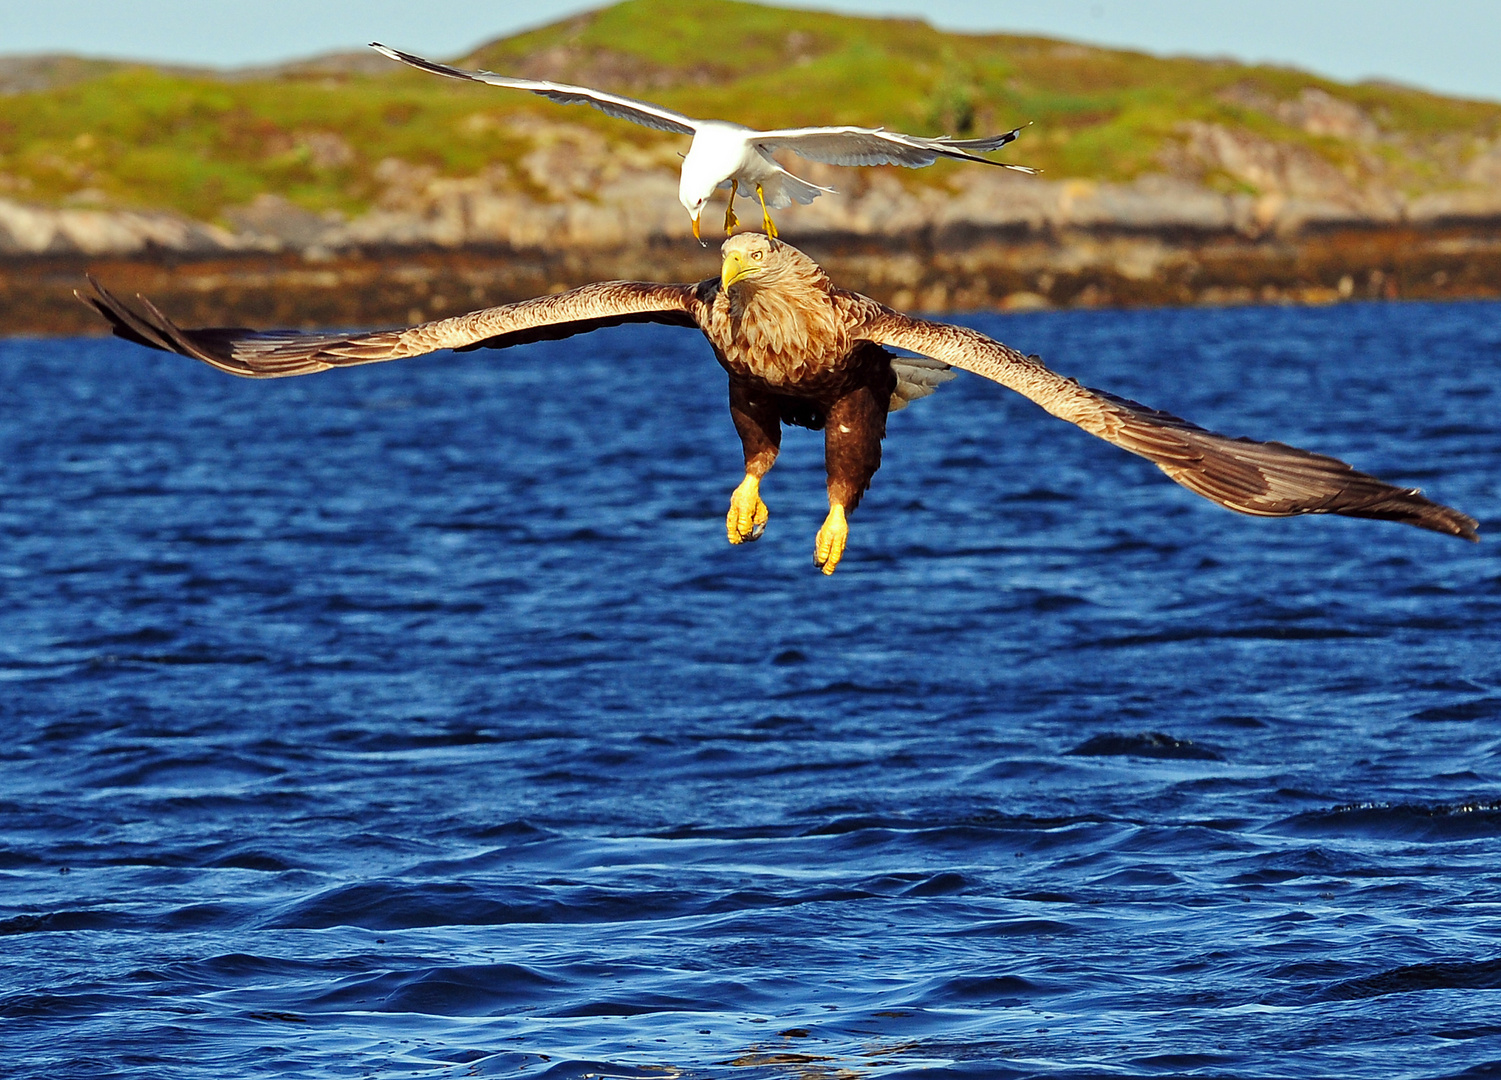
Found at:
[272, 354]
[985, 142]
[1268, 479]
[622, 108]
[876, 146]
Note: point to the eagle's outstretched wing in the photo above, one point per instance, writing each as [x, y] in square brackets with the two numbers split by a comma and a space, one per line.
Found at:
[1267, 479]
[272, 354]
[622, 108]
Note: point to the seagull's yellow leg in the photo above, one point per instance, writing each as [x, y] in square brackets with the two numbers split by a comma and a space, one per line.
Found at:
[746, 520]
[828, 547]
[771, 228]
[730, 220]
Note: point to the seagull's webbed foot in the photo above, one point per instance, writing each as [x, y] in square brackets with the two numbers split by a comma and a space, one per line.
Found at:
[828, 547]
[730, 220]
[770, 226]
[746, 520]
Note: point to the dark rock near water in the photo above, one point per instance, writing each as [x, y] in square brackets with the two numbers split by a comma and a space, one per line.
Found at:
[1148, 744]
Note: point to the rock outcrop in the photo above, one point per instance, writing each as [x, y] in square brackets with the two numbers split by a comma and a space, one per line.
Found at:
[570, 192]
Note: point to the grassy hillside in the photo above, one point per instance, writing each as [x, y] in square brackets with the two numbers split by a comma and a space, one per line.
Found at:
[132, 136]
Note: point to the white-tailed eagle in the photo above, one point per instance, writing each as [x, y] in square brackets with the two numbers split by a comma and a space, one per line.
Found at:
[799, 350]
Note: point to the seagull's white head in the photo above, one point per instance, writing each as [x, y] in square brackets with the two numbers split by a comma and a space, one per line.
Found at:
[694, 202]
[697, 184]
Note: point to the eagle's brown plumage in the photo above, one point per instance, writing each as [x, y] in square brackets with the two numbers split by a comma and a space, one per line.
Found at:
[800, 351]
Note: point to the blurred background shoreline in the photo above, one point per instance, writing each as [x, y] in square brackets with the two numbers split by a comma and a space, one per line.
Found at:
[346, 190]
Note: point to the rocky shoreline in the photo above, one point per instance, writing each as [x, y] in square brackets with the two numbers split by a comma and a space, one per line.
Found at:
[438, 247]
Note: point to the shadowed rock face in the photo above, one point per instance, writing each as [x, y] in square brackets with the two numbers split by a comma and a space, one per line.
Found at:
[29, 231]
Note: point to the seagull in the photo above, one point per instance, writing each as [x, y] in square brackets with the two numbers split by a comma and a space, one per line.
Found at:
[728, 155]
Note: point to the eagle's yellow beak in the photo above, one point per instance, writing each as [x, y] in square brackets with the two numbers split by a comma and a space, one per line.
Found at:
[735, 268]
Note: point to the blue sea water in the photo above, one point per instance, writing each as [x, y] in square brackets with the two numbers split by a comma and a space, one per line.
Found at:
[416, 720]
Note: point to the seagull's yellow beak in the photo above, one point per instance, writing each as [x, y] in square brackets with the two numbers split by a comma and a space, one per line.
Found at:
[698, 218]
[736, 267]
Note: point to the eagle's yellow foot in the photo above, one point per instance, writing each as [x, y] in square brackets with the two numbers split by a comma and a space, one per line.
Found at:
[746, 520]
[730, 220]
[828, 548]
[770, 226]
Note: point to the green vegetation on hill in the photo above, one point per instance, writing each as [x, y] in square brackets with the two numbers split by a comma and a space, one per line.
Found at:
[132, 136]
[139, 137]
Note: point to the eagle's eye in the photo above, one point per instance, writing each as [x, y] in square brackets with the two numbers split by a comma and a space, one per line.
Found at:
[757, 255]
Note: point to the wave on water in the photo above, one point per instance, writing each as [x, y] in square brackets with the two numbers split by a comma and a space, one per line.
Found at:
[415, 720]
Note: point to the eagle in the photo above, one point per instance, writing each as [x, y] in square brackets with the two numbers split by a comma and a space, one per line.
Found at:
[800, 351]
[726, 155]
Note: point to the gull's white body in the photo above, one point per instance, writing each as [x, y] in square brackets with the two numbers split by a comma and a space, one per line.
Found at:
[722, 154]
[734, 156]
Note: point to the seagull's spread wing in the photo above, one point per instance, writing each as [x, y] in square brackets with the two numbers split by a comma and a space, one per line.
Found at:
[272, 354]
[876, 146]
[1268, 479]
[622, 108]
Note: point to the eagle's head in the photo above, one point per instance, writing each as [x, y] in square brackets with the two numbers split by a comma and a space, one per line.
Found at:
[754, 261]
[782, 317]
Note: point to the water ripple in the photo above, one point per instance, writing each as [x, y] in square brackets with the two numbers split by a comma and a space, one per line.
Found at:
[415, 720]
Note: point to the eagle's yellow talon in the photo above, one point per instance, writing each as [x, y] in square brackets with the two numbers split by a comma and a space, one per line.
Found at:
[746, 520]
[828, 548]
